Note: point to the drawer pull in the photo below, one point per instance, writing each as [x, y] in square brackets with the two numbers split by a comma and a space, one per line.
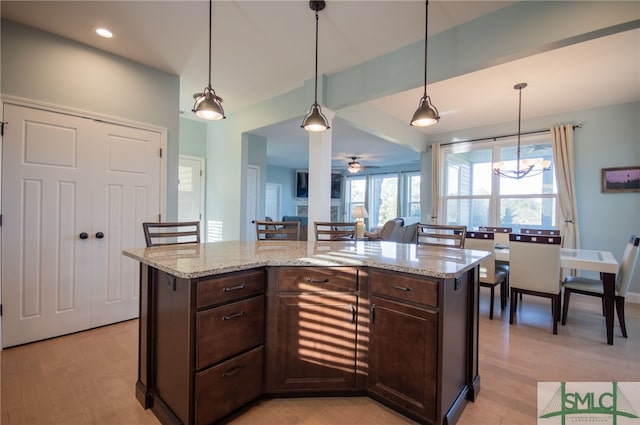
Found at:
[401, 288]
[353, 313]
[312, 280]
[233, 288]
[373, 314]
[233, 316]
[232, 371]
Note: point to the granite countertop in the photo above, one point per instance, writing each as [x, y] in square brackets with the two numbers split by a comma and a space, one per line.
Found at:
[198, 260]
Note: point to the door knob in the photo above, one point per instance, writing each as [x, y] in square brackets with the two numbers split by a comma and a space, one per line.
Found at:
[99, 235]
[84, 235]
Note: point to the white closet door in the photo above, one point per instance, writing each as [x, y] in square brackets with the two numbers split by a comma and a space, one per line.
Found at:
[65, 178]
[46, 206]
[126, 192]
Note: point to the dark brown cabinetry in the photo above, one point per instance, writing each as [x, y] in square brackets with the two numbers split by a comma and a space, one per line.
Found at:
[408, 342]
[312, 329]
[205, 356]
[210, 345]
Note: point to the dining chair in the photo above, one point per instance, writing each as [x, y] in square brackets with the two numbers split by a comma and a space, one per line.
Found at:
[543, 232]
[335, 231]
[535, 270]
[171, 233]
[594, 287]
[501, 240]
[268, 230]
[490, 277]
[441, 235]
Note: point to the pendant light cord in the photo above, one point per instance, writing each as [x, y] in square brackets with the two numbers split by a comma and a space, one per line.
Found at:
[426, 23]
[519, 126]
[315, 99]
[210, 23]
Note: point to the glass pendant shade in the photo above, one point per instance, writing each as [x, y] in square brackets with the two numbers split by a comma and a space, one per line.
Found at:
[315, 121]
[426, 114]
[354, 166]
[208, 105]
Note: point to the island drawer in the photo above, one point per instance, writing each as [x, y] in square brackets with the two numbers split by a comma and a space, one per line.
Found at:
[229, 329]
[229, 287]
[313, 279]
[227, 386]
[411, 288]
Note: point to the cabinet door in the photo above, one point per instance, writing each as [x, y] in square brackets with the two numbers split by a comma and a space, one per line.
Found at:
[316, 343]
[403, 355]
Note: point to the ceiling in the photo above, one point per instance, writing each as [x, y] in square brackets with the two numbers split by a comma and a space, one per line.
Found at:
[264, 48]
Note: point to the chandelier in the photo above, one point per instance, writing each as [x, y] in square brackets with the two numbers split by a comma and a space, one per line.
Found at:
[523, 167]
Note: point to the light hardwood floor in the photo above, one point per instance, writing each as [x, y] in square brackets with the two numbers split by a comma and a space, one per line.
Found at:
[89, 377]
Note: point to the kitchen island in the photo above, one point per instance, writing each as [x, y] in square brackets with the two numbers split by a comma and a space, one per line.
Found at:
[225, 323]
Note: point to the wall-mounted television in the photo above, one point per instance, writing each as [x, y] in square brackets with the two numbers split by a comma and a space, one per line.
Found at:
[302, 185]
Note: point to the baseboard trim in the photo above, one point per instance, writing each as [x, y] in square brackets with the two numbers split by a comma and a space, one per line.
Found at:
[632, 297]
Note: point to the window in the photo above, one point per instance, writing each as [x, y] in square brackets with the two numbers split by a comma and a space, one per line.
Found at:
[356, 189]
[411, 197]
[474, 196]
[385, 196]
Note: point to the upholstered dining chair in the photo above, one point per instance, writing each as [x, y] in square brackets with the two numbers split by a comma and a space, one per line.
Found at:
[171, 233]
[441, 235]
[335, 231]
[593, 287]
[269, 230]
[490, 277]
[535, 270]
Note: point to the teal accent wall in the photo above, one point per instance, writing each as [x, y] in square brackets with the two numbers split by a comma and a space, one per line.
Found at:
[193, 137]
[286, 178]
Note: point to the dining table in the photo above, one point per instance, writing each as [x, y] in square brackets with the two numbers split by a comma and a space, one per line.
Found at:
[602, 262]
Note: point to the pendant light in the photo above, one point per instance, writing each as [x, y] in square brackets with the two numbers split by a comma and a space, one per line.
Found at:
[315, 120]
[524, 167]
[426, 114]
[208, 105]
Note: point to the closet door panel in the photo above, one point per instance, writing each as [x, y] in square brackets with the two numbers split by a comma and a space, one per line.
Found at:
[46, 199]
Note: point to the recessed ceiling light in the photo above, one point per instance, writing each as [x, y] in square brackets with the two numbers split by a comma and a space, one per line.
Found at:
[103, 32]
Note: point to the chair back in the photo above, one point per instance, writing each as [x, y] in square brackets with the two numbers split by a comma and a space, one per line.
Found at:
[627, 266]
[171, 233]
[269, 230]
[535, 262]
[501, 233]
[334, 231]
[544, 232]
[441, 235]
[483, 241]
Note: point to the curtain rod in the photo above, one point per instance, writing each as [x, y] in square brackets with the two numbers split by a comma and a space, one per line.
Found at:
[494, 138]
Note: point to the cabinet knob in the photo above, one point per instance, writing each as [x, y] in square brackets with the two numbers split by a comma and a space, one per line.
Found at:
[84, 235]
[99, 235]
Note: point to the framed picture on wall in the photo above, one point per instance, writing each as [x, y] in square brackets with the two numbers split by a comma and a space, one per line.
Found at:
[621, 179]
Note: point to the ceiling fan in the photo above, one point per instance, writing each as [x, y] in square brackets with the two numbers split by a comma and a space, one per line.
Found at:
[354, 166]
